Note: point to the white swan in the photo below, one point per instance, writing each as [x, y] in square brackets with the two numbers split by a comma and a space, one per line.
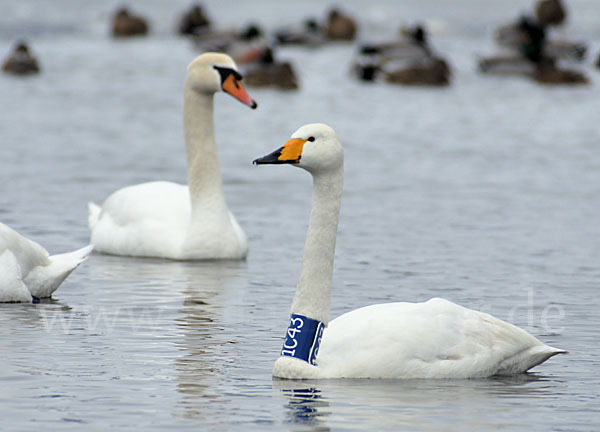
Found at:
[435, 339]
[27, 271]
[169, 220]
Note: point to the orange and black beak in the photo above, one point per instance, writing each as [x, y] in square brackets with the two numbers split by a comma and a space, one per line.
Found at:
[231, 82]
[290, 153]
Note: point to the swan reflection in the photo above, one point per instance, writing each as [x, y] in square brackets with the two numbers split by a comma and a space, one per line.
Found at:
[194, 301]
[321, 404]
[305, 404]
[205, 337]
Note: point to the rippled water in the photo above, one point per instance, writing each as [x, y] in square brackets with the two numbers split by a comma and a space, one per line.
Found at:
[486, 193]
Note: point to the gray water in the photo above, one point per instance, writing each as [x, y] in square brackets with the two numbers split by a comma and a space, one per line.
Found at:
[486, 193]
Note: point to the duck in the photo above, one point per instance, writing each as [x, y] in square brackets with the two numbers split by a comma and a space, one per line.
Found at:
[173, 221]
[528, 41]
[409, 60]
[401, 340]
[28, 272]
[194, 20]
[126, 24]
[514, 35]
[20, 61]
[270, 73]
[339, 26]
[534, 59]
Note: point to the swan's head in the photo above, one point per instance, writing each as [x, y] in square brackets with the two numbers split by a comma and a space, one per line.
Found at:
[314, 147]
[213, 72]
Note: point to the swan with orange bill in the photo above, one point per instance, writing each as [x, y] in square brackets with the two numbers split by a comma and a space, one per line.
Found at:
[169, 220]
[434, 339]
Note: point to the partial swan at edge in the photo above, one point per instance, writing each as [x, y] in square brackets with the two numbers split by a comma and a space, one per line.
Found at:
[28, 271]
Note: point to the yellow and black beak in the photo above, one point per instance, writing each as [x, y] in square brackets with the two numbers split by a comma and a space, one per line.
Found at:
[290, 153]
[231, 82]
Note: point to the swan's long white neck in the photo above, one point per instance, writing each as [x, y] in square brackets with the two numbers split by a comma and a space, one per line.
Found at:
[204, 174]
[313, 293]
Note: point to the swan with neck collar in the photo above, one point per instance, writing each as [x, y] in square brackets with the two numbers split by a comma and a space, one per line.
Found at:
[434, 339]
[169, 220]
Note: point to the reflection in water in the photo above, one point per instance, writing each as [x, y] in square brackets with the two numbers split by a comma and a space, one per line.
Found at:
[204, 343]
[15, 316]
[23, 317]
[25, 330]
[305, 405]
[193, 366]
[198, 322]
[199, 295]
[405, 403]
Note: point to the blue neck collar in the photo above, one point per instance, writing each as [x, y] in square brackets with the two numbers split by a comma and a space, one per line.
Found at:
[303, 338]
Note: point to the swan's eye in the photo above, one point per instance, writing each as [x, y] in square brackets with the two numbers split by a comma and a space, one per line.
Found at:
[311, 139]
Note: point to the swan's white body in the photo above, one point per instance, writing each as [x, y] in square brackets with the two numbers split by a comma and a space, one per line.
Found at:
[169, 220]
[27, 270]
[154, 219]
[435, 339]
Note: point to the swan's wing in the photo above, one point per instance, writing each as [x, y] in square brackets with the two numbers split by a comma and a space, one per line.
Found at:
[149, 219]
[27, 253]
[159, 201]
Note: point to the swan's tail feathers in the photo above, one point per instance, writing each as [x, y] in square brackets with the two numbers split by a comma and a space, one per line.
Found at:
[93, 214]
[74, 258]
[528, 359]
[553, 351]
[44, 280]
[539, 355]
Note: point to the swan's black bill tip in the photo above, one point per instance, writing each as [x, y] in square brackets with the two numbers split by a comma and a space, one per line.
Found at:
[261, 161]
[271, 158]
